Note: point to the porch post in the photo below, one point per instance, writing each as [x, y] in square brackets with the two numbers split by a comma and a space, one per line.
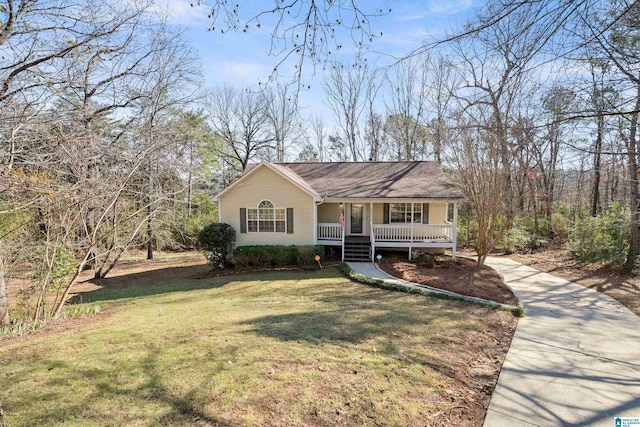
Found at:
[455, 230]
[315, 222]
[412, 234]
[372, 234]
[343, 207]
[412, 225]
[343, 245]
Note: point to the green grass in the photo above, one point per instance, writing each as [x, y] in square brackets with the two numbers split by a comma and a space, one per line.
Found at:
[278, 348]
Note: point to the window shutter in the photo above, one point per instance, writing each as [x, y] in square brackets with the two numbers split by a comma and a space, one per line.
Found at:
[425, 213]
[289, 220]
[243, 220]
[385, 213]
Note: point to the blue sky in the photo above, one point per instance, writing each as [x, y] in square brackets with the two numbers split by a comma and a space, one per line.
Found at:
[242, 59]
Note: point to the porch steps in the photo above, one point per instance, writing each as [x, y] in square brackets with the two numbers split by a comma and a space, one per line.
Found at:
[357, 250]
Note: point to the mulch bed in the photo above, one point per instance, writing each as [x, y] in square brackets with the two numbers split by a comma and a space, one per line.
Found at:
[461, 276]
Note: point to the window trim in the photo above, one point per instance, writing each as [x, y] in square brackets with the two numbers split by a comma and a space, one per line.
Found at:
[274, 220]
[408, 212]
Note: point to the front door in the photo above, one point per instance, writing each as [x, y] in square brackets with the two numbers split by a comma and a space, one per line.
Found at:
[357, 219]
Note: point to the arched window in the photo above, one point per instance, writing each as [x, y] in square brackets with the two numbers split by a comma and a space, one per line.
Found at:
[266, 218]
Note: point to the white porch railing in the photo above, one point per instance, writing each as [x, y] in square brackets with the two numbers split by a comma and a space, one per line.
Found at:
[395, 232]
[414, 232]
[329, 231]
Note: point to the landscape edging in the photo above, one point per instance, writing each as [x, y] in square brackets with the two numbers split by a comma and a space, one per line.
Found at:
[413, 288]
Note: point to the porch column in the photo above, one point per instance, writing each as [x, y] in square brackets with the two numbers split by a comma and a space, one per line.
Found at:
[343, 208]
[412, 225]
[411, 236]
[372, 235]
[455, 230]
[315, 223]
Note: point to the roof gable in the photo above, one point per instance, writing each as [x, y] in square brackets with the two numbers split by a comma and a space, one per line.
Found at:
[285, 173]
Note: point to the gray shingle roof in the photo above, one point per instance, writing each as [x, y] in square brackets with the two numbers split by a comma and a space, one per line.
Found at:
[375, 179]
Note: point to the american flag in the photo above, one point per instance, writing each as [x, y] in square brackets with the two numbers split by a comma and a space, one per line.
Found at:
[342, 219]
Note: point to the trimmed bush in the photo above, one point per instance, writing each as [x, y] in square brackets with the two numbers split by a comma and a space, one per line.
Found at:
[273, 256]
[217, 240]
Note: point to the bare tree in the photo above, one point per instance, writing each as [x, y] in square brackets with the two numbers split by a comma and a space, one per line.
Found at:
[319, 137]
[407, 109]
[373, 129]
[346, 94]
[484, 180]
[4, 308]
[42, 42]
[36, 36]
[440, 97]
[170, 84]
[283, 114]
[240, 119]
[303, 30]
[71, 165]
[613, 30]
[491, 75]
[557, 103]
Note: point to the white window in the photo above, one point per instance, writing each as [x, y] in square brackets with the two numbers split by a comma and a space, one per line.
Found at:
[401, 212]
[266, 218]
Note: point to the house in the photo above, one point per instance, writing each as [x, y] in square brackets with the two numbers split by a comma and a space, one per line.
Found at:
[359, 207]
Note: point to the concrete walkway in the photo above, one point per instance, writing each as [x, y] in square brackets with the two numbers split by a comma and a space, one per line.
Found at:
[574, 359]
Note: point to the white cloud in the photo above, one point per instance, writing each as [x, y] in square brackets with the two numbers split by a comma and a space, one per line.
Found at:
[239, 73]
[181, 12]
[449, 7]
[412, 16]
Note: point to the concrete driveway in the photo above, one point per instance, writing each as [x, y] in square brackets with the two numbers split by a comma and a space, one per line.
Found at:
[574, 359]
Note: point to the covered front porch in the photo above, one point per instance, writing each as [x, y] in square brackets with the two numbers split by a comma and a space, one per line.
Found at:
[381, 224]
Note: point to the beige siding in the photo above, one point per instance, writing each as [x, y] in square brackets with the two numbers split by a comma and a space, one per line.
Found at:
[378, 213]
[329, 212]
[266, 184]
[437, 213]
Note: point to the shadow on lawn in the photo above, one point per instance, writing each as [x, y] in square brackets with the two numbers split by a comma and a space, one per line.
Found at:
[355, 318]
[175, 279]
[386, 328]
[146, 283]
[106, 385]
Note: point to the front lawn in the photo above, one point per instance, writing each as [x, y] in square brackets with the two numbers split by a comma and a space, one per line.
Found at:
[277, 348]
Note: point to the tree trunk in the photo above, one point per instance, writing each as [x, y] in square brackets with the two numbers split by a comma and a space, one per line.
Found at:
[149, 208]
[149, 233]
[190, 182]
[597, 160]
[534, 204]
[550, 201]
[4, 309]
[634, 199]
[57, 309]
